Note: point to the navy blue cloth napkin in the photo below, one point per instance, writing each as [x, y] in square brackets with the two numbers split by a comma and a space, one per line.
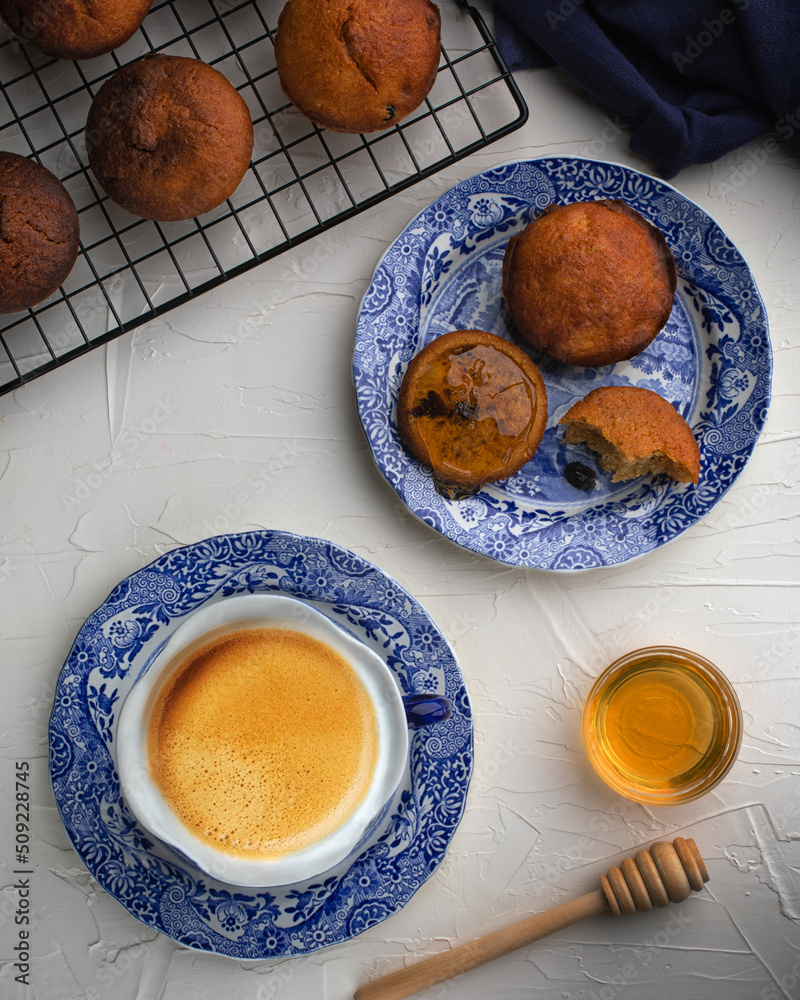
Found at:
[690, 80]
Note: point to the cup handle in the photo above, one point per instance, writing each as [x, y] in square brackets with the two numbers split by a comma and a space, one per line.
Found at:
[425, 709]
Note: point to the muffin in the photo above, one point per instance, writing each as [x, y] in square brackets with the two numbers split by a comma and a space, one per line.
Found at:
[38, 233]
[169, 138]
[634, 431]
[74, 29]
[473, 407]
[590, 283]
[357, 65]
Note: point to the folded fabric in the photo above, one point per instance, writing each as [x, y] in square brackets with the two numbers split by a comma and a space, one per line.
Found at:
[691, 81]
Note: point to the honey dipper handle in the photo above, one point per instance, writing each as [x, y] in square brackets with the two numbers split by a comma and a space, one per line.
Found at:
[447, 964]
[667, 872]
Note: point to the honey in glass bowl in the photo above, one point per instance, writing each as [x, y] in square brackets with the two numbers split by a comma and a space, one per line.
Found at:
[662, 725]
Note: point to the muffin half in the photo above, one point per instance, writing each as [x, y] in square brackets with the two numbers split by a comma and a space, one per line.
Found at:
[634, 431]
[473, 407]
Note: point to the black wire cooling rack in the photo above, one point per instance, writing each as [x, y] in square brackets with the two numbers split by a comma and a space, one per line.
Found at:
[301, 181]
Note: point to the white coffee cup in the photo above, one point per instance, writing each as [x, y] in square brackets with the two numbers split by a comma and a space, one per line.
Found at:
[268, 611]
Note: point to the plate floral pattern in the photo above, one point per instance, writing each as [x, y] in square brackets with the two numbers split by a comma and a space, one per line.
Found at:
[712, 361]
[120, 640]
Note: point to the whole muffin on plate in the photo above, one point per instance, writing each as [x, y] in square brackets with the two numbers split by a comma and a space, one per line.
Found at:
[634, 431]
[357, 65]
[39, 233]
[169, 138]
[74, 29]
[590, 283]
[473, 407]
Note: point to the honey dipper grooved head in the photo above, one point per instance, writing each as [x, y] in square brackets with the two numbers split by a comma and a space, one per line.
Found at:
[667, 872]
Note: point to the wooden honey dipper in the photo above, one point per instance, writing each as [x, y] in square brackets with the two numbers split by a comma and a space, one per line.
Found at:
[650, 878]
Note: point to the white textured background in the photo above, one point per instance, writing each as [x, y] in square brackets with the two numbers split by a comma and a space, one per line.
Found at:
[256, 377]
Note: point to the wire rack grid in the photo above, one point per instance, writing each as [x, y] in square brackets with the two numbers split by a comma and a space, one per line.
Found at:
[301, 181]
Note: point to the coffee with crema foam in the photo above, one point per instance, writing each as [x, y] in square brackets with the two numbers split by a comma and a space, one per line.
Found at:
[263, 742]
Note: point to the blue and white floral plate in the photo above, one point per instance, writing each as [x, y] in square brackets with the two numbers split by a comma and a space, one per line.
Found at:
[120, 640]
[712, 362]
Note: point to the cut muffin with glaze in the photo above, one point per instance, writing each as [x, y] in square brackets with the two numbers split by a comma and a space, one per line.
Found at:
[473, 407]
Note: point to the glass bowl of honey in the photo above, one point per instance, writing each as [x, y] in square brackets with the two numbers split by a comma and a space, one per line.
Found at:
[662, 725]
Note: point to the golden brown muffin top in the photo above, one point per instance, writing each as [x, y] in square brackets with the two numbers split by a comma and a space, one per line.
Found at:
[357, 65]
[74, 29]
[169, 137]
[636, 431]
[473, 406]
[38, 233]
[589, 283]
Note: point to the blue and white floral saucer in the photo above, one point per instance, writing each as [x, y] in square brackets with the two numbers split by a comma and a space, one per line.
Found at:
[118, 642]
[712, 361]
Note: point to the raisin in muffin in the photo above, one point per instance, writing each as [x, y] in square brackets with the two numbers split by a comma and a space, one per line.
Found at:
[357, 65]
[590, 283]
